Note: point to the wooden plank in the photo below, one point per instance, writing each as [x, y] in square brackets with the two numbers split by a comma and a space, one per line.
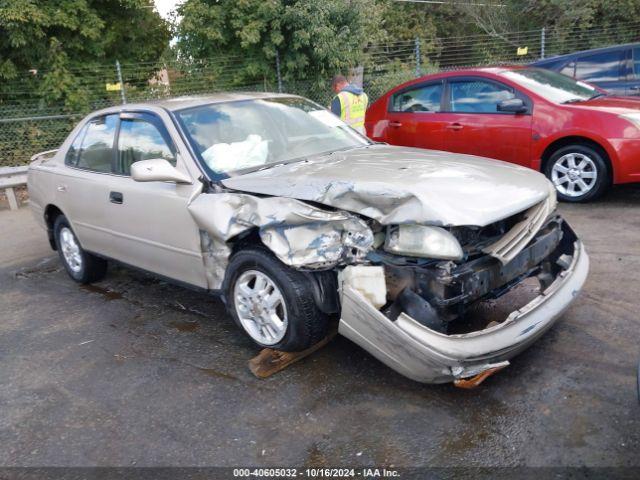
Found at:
[11, 196]
[270, 361]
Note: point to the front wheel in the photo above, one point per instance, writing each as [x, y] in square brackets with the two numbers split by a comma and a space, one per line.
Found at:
[579, 173]
[273, 304]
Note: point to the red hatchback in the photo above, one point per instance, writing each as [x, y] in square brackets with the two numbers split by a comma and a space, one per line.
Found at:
[582, 139]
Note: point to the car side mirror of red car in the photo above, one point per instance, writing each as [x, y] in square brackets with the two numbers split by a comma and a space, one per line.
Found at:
[512, 105]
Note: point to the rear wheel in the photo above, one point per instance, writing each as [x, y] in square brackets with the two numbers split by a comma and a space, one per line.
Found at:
[579, 172]
[274, 304]
[82, 266]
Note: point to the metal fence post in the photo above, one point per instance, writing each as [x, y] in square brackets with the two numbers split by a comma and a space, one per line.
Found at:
[123, 96]
[417, 52]
[278, 72]
[542, 42]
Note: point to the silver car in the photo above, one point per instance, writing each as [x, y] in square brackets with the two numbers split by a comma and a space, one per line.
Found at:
[441, 265]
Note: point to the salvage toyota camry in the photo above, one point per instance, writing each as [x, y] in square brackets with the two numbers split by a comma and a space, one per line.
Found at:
[441, 265]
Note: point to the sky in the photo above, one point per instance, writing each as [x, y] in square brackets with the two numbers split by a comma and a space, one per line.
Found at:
[165, 6]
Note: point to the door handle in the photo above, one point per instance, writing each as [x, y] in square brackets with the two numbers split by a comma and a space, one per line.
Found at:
[395, 124]
[62, 188]
[455, 126]
[116, 197]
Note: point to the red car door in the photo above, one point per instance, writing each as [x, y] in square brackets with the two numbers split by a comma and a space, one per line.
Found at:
[414, 118]
[475, 126]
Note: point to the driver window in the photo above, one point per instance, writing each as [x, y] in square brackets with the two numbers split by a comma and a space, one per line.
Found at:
[425, 98]
[478, 96]
[140, 140]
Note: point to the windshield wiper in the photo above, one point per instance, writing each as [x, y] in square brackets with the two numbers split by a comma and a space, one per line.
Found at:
[574, 100]
[592, 97]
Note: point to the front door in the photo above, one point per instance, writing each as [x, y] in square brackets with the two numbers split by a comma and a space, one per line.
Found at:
[476, 127]
[149, 221]
[414, 118]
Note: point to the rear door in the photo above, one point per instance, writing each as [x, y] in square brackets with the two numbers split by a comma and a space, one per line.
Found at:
[604, 69]
[414, 118]
[151, 226]
[475, 126]
[82, 187]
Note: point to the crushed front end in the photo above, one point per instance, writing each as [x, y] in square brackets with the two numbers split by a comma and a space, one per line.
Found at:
[445, 320]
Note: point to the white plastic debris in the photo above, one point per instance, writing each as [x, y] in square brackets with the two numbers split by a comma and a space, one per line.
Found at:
[368, 281]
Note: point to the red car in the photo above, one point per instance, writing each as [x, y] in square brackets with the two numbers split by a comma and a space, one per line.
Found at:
[582, 139]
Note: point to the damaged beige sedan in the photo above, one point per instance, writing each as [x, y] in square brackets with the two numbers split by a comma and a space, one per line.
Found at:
[443, 266]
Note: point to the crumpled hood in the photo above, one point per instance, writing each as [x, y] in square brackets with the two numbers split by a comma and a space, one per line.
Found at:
[405, 185]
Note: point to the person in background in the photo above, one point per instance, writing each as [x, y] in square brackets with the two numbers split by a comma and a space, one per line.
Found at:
[350, 103]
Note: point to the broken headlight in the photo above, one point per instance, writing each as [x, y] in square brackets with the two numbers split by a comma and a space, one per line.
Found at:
[422, 241]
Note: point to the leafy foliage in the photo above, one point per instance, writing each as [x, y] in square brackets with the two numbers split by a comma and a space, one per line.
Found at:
[56, 39]
[312, 39]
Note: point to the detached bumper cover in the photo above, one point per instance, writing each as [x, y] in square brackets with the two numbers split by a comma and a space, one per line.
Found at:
[431, 357]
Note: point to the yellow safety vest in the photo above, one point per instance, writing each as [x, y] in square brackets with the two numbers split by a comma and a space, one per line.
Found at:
[353, 108]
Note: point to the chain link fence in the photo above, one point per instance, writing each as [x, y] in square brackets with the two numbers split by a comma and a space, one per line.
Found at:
[29, 125]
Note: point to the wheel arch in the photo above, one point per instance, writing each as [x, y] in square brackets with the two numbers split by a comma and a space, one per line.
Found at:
[573, 140]
[324, 283]
[51, 213]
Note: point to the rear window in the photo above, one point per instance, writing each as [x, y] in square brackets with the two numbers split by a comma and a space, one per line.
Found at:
[600, 67]
[425, 98]
[636, 62]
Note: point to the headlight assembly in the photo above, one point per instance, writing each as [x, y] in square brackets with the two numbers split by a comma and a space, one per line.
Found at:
[422, 241]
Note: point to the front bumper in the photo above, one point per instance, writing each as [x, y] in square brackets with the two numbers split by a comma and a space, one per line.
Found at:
[424, 355]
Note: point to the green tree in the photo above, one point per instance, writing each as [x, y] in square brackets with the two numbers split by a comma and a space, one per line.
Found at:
[566, 21]
[61, 51]
[313, 39]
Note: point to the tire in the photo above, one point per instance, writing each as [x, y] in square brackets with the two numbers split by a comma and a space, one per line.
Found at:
[304, 324]
[81, 266]
[572, 170]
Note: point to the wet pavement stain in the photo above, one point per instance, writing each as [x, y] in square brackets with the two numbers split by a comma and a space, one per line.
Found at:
[315, 457]
[212, 372]
[37, 271]
[107, 293]
[185, 326]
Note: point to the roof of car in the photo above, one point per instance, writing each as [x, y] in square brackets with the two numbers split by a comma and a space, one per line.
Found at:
[178, 103]
[556, 58]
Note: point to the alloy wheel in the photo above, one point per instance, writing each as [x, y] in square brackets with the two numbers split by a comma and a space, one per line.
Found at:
[574, 174]
[260, 307]
[70, 249]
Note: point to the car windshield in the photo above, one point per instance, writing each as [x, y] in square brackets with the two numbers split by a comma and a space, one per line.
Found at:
[254, 134]
[552, 86]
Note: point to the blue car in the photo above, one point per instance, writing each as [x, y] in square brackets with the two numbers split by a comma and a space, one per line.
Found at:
[614, 69]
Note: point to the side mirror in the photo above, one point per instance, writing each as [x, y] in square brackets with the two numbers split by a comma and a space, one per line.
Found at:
[512, 105]
[157, 170]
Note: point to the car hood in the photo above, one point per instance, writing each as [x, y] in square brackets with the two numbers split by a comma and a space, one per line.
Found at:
[612, 104]
[404, 185]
